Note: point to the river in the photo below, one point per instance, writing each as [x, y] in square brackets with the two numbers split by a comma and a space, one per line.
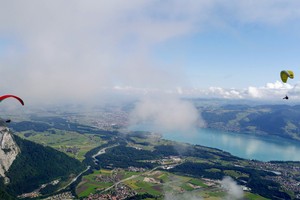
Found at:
[247, 146]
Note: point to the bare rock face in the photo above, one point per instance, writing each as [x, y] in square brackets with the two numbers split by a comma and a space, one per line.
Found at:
[8, 149]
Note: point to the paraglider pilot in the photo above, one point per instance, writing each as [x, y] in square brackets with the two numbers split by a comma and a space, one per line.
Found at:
[284, 75]
[9, 96]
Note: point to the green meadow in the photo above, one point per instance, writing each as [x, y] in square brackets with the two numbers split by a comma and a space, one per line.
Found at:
[62, 140]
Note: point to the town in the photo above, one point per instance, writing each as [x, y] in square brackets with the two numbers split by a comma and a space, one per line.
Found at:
[287, 174]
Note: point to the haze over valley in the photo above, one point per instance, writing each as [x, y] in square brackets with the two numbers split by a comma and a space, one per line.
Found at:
[149, 99]
[101, 140]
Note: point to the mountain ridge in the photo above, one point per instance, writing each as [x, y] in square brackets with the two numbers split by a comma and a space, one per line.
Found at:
[273, 120]
[8, 151]
[39, 165]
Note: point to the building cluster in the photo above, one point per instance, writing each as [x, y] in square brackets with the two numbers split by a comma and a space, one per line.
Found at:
[101, 197]
[107, 179]
[119, 192]
[73, 150]
[170, 162]
[111, 120]
[136, 169]
[288, 184]
[29, 195]
[62, 196]
[114, 177]
[287, 174]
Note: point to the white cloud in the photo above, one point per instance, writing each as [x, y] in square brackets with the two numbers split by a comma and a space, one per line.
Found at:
[224, 93]
[254, 92]
[278, 85]
[234, 191]
[271, 91]
[165, 113]
[71, 50]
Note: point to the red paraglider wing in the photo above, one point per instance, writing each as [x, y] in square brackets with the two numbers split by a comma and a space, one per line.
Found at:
[9, 95]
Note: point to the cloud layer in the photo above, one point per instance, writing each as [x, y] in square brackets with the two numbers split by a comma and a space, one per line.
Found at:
[165, 113]
[234, 191]
[270, 91]
[62, 50]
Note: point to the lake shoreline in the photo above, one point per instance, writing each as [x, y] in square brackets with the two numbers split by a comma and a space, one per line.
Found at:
[243, 145]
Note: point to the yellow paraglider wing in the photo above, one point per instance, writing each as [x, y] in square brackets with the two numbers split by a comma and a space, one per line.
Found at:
[291, 73]
[285, 74]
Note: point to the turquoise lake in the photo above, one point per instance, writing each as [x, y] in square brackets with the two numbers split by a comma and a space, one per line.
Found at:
[241, 145]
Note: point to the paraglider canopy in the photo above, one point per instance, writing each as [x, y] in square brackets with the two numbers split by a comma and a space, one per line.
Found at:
[285, 74]
[13, 96]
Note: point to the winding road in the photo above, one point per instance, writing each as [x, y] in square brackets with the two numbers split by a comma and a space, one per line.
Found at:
[102, 151]
[74, 179]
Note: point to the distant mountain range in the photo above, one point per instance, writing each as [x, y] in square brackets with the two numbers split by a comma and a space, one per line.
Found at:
[275, 120]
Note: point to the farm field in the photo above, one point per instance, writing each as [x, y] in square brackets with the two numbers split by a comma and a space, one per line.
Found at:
[72, 143]
[144, 165]
[157, 183]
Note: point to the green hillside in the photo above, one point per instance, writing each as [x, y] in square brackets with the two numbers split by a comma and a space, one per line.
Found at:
[276, 120]
[39, 165]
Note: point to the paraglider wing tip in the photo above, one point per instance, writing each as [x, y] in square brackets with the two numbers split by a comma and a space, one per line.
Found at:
[22, 102]
[9, 95]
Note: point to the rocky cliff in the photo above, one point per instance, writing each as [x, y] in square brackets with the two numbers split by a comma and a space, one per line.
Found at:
[8, 149]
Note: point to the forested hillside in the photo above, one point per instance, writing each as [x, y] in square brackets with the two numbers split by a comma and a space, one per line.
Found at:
[39, 165]
[277, 120]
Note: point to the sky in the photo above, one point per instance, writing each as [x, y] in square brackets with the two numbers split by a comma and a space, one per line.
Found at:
[62, 50]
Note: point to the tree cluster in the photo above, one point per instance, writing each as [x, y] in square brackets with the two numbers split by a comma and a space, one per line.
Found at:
[37, 165]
